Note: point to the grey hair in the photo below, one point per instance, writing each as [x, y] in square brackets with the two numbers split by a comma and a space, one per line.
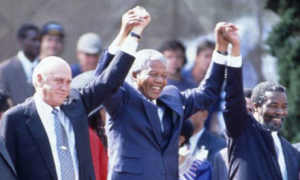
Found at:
[45, 66]
[144, 57]
[258, 94]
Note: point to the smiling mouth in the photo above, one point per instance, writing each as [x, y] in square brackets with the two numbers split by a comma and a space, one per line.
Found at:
[278, 120]
[156, 87]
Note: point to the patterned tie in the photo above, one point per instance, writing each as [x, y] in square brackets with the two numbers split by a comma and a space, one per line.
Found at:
[62, 145]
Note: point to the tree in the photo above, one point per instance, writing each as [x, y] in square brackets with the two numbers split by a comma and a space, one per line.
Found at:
[284, 43]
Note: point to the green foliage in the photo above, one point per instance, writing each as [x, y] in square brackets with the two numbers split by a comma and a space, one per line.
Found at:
[280, 6]
[284, 42]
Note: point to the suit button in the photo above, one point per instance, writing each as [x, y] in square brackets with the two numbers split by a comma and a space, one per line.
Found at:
[265, 173]
[163, 172]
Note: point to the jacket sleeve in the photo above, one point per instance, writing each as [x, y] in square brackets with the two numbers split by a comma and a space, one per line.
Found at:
[206, 93]
[235, 113]
[108, 81]
[104, 62]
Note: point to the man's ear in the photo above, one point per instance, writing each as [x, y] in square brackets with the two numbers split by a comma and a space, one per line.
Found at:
[255, 107]
[134, 76]
[39, 80]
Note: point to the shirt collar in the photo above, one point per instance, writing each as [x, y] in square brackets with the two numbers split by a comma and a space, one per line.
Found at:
[154, 101]
[40, 104]
[194, 139]
[25, 61]
[198, 134]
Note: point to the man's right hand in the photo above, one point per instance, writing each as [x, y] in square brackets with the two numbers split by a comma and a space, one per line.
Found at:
[129, 19]
[144, 18]
[231, 35]
[226, 33]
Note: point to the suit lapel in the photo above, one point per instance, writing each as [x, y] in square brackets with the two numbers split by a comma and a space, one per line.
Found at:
[268, 139]
[173, 104]
[5, 155]
[290, 159]
[151, 111]
[38, 132]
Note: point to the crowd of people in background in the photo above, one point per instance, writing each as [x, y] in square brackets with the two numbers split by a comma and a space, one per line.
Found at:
[85, 121]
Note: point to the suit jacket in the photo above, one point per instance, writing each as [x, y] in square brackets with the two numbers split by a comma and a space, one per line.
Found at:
[211, 142]
[220, 171]
[26, 139]
[251, 150]
[7, 169]
[13, 80]
[134, 129]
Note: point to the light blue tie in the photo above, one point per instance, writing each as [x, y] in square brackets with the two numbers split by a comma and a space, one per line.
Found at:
[62, 145]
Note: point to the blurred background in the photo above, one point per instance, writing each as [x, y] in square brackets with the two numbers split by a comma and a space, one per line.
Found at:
[190, 21]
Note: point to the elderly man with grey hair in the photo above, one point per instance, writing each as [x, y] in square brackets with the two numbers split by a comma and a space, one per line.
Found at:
[146, 117]
[47, 135]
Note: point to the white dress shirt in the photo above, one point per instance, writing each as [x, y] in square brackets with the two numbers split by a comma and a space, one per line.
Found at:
[28, 66]
[194, 139]
[47, 118]
[280, 156]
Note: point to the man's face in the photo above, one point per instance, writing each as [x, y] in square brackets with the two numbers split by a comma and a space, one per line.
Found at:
[52, 45]
[31, 43]
[56, 86]
[273, 111]
[175, 60]
[203, 59]
[87, 61]
[150, 82]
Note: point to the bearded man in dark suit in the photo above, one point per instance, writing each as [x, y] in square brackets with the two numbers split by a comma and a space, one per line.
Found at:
[256, 150]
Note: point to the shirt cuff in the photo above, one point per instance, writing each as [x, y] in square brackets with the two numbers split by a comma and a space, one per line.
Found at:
[129, 46]
[219, 58]
[234, 61]
[113, 49]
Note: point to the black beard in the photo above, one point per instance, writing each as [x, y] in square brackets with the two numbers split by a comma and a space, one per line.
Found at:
[271, 126]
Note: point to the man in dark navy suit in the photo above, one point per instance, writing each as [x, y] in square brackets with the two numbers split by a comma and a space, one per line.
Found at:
[146, 117]
[256, 150]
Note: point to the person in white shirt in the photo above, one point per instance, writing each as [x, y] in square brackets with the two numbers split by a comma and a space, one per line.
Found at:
[204, 144]
[16, 72]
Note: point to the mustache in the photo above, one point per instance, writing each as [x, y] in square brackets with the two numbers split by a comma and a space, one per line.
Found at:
[277, 117]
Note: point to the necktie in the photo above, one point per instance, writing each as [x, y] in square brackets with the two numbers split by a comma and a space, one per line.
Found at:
[167, 122]
[62, 145]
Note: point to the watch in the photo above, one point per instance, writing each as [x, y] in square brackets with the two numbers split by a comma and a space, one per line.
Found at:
[225, 53]
[135, 35]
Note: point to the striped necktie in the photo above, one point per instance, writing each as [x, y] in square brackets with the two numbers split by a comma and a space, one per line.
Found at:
[62, 145]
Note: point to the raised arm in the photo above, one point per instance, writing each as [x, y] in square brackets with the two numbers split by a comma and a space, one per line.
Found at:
[111, 78]
[209, 90]
[129, 19]
[235, 113]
